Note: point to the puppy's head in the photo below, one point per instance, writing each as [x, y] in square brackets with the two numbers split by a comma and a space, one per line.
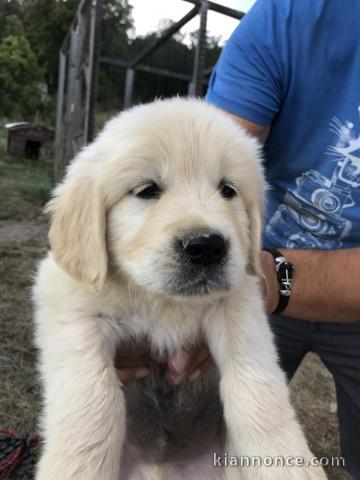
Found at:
[168, 197]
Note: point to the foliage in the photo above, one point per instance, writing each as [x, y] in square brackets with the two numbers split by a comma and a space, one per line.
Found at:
[116, 25]
[46, 22]
[24, 184]
[7, 9]
[175, 55]
[31, 35]
[20, 74]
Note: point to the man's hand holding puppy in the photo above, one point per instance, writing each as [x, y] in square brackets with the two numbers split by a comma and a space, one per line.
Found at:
[188, 364]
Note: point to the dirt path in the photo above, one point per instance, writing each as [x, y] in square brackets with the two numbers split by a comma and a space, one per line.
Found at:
[22, 243]
[23, 231]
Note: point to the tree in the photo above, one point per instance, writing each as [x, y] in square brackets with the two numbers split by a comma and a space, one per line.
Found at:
[46, 24]
[48, 21]
[8, 8]
[20, 74]
[177, 55]
[116, 25]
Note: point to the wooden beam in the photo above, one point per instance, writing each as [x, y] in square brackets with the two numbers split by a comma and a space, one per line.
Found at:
[146, 68]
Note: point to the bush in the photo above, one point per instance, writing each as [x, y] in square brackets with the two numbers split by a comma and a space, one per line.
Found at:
[20, 74]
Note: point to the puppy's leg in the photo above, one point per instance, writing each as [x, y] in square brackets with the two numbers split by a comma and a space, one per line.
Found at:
[84, 411]
[261, 423]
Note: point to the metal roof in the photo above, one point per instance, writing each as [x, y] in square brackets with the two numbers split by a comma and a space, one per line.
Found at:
[9, 126]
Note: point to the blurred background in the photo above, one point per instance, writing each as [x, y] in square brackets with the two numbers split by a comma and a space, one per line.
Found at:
[69, 65]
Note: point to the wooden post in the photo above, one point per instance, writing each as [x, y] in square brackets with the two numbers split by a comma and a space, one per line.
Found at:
[71, 101]
[199, 63]
[75, 78]
[129, 88]
[59, 116]
[92, 70]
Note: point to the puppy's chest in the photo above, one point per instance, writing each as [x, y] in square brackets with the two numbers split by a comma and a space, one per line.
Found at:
[172, 423]
[166, 421]
[166, 328]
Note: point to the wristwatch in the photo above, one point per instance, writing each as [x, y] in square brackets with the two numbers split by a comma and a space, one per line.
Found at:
[285, 273]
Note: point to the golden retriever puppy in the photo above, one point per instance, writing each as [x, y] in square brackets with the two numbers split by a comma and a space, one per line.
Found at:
[155, 234]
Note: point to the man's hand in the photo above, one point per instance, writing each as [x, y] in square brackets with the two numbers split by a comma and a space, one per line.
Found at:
[189, 365]
[269, 282]
[135, 362]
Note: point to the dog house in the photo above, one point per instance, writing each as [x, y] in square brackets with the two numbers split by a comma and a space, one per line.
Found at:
[26, 140]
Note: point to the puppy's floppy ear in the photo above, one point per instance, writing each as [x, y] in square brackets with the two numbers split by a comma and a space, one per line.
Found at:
[77, 231]
[253, 266]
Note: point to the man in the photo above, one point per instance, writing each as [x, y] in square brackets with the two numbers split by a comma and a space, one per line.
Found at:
[290, 75]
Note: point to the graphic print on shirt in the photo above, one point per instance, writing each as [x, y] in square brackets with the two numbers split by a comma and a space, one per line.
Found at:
[311, 215]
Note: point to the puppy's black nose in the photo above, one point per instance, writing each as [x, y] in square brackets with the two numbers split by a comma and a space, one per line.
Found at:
[205, 250]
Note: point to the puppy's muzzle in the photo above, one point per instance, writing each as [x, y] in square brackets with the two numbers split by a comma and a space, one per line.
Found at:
[204, 249]
[199, 266]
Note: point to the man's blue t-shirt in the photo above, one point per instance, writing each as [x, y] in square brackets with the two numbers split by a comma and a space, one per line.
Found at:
[295, 65]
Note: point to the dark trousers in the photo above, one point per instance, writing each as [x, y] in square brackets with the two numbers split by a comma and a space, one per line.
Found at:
[338, 346]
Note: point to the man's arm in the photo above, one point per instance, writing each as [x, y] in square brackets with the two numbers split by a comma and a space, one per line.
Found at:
[259, 131]
[325, 287]
[326, 283]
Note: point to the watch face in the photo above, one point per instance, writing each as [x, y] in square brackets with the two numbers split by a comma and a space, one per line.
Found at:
[287, 267]
[285, 277]
[285, 272]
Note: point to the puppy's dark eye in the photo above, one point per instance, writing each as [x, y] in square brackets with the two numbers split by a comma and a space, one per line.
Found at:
[226, 190]
[148, 192]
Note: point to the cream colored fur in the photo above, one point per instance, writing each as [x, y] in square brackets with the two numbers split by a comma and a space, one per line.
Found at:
[105, 282]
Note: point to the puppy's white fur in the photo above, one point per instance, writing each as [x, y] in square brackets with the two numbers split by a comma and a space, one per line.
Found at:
[112, 277]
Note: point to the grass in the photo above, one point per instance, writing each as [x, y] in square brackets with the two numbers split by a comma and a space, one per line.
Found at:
[24, 187]
[19, 400]
[25, 184]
